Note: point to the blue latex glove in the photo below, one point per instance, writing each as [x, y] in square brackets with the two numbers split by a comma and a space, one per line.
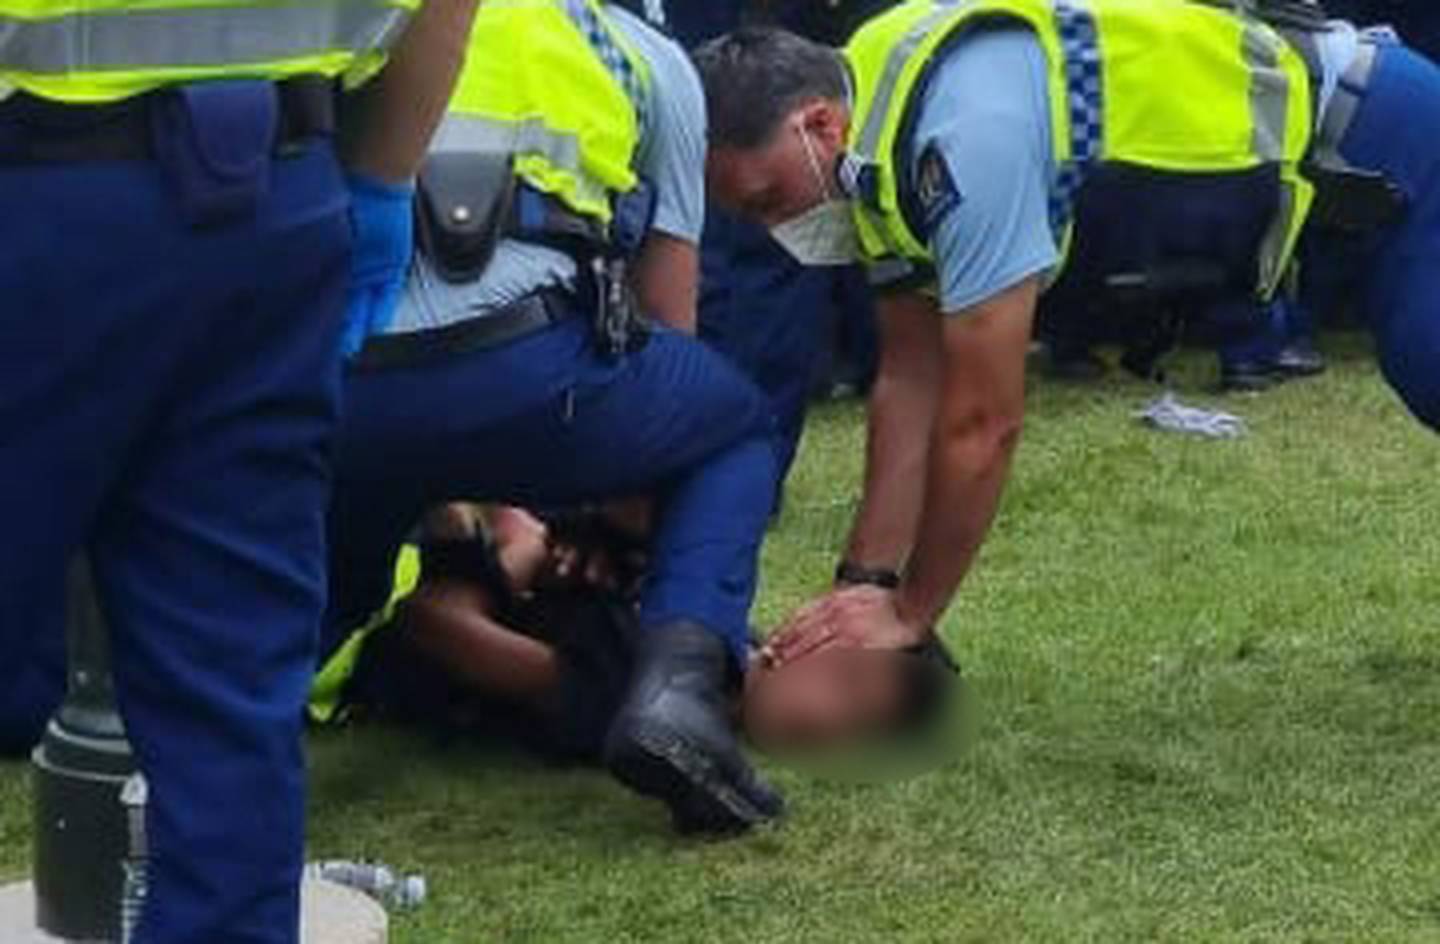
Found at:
[382, 216]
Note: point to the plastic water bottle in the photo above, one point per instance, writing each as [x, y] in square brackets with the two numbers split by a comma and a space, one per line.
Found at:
[134, 796]
[395, 893]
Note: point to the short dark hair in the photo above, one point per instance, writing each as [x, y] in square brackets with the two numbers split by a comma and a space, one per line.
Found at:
[756, 76]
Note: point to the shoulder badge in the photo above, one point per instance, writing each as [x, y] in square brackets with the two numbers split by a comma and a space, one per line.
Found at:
[936, 194]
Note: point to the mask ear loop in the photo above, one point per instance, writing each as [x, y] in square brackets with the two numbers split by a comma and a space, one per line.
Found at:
[820, 176]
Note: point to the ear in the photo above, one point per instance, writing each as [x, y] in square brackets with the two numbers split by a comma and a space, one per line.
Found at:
[828, 121]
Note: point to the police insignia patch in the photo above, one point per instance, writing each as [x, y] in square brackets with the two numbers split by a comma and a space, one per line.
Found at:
[935, 191]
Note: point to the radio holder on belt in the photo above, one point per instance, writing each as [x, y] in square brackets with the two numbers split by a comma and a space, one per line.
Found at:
[467, 202]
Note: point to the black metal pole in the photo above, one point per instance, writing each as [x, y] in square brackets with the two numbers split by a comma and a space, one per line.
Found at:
[81, 766]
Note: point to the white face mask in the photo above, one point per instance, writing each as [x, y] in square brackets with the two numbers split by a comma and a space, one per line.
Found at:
[823, 235]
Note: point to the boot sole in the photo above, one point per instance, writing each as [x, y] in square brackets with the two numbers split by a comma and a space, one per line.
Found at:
[657, 762]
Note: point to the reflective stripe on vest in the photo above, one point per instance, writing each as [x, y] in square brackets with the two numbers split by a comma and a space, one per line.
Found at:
[533, 138]
[111, 50]
[1270, 104]
[883, 103]
[557, 85]
[1073, 31]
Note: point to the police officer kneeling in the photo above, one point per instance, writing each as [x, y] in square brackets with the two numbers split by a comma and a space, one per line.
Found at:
[518, 369]
[955, 147]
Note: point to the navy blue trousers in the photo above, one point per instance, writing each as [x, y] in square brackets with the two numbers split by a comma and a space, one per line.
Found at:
[770, 316]
[1397, 132]
[1271, 328]
[167, 401]
[546, 421]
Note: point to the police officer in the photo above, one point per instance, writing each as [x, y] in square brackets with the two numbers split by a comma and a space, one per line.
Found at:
[563, 198]
[957, 148]
[172, 287]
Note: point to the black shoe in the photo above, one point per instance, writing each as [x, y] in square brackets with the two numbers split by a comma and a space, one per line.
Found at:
[1076, 365]
[1299, 359]
[1248, 377]
[674, 739]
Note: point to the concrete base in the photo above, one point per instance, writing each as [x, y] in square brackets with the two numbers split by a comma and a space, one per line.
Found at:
[333, 914]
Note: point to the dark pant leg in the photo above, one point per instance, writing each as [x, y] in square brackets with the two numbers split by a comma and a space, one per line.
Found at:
[859, 334]
[75, 384]
[1253, 332]
[178, 424]
[546, 421]
[770, 316]
[707, 551]
[216, 556]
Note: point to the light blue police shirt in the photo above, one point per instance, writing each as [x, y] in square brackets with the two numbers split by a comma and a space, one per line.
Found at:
[671, 157]
[981, 161]
[980, 164]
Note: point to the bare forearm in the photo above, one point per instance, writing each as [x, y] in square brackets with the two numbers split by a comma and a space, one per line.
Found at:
[451, 625]
[390, 125]
[901, 415]
[968, 471]
[902, 411]
[978, 423]
[667, 281]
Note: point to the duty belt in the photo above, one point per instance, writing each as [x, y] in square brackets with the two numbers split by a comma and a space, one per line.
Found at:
[485, 331]
[35, 130]
[1348, 198]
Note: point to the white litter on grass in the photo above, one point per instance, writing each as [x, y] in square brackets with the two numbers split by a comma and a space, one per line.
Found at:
[380, 882]
[1167, 413]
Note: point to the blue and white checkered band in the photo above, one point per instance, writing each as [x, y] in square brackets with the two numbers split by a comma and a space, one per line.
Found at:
[1084, 87]
[598, 35]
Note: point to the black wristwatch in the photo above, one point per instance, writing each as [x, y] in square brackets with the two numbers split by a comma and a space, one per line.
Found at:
[850, 574]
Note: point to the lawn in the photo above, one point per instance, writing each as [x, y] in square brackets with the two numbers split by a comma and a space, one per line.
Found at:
[1209, 710]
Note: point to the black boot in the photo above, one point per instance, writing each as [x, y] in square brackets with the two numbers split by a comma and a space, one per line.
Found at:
[674, 737]
[1248, 377]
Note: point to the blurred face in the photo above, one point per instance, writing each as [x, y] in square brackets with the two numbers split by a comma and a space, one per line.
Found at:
[789, 174]
[822, 700]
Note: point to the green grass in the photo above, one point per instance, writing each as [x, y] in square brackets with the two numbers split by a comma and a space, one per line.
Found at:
[1210, 711]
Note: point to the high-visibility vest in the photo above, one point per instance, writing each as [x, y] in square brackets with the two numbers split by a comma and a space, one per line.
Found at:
[327, 691]
[558, 85]
[1167, 85]
[88, 51]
